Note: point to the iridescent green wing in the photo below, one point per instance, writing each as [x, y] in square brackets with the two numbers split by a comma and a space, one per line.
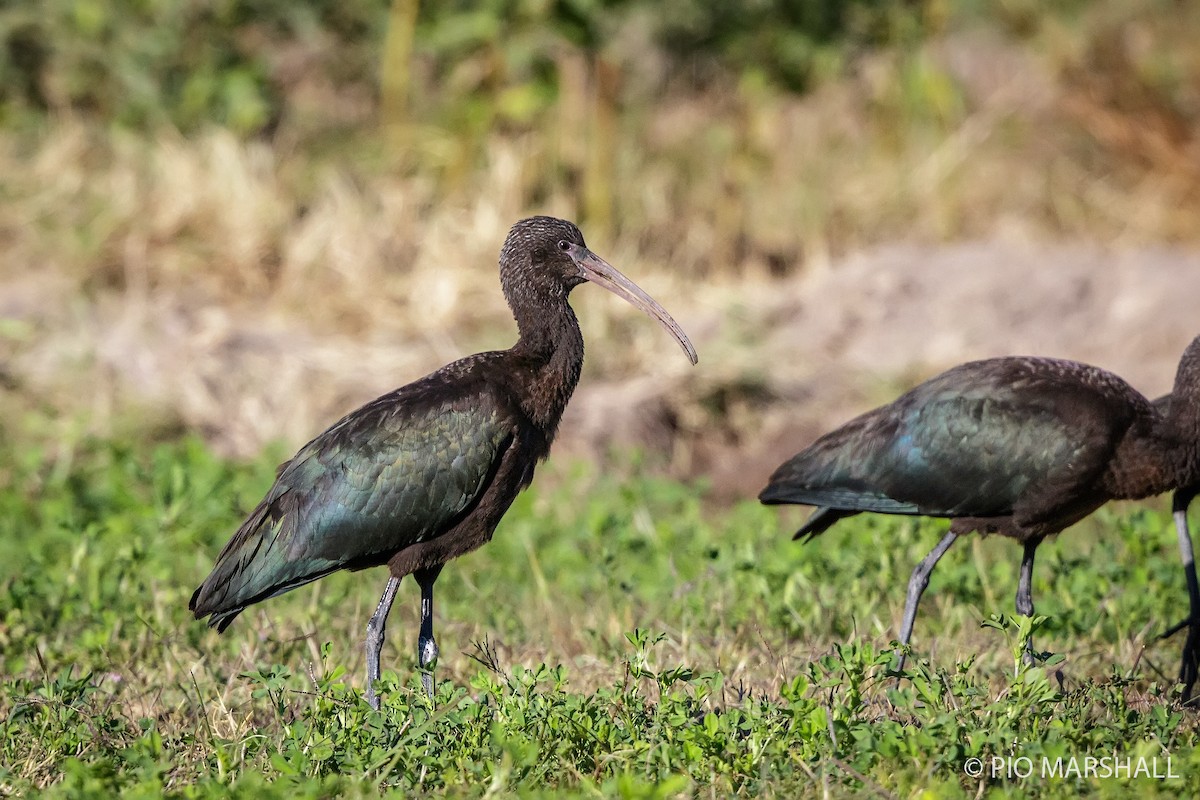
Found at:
[389, 475]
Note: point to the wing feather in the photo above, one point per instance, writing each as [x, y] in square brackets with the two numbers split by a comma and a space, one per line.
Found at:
[394, 473]
[975, 441]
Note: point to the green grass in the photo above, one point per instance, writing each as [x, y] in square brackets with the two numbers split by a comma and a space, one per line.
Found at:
[618, 638]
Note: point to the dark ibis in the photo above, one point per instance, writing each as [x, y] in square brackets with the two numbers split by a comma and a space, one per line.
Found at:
[1179, 507]
[424, 473]
[1019, 446]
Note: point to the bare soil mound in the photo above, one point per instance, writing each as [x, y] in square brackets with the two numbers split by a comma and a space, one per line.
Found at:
[782, 363]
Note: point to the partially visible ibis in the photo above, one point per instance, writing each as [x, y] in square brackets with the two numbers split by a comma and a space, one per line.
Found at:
[1020, 446]
[1182, 498]
[424, 474]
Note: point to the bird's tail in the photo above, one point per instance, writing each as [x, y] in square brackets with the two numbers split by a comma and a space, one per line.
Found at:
[255, 566]
[821, 520]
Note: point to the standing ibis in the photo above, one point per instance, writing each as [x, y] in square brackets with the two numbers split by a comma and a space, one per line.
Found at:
[1023, 447]
[1179, 507]
[424, 474]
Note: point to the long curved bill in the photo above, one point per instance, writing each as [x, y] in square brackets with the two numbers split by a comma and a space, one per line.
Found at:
[595, 269]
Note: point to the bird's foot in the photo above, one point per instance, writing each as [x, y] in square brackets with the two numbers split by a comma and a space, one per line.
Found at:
[1174, 629]
[899, 660]
[1190, 666]
[1030, 658]
[1189, 669]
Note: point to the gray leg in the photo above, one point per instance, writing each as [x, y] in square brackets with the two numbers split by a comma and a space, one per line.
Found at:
[376, 627]
[916, 586]
[1025, 592]
[427, 649]
[1191, 648]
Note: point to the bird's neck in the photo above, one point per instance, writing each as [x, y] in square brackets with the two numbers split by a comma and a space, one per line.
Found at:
[552, 345]
[1183, 417]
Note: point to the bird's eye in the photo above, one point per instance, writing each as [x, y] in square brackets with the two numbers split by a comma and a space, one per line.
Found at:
[562, 245]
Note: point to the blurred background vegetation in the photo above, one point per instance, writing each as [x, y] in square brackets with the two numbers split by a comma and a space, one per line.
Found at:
[244, 63]
[602, 87]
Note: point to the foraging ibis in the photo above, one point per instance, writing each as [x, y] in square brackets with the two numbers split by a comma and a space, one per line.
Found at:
[425, 473]
[1020, 446]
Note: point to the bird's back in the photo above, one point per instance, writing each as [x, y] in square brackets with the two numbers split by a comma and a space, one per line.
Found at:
[396, 472]
[988, 438]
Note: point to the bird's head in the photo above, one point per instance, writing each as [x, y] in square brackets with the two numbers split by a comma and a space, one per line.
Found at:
[544, 258]
[536, 258]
